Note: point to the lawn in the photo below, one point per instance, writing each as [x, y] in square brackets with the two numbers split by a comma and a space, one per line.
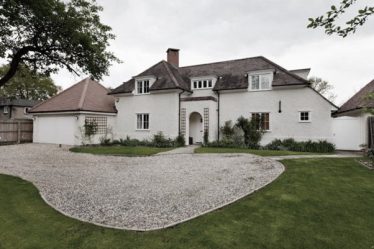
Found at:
[119, 150]
[250, 151]
[315, 203]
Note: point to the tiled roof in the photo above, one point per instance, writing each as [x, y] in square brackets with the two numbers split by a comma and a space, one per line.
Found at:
[18, 102]
[231, 75]
[86, 95]
[359, 101]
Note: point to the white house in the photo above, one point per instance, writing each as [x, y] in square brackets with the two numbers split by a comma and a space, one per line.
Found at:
[190, 100]
[352, 126]
[193, 99]
[60, 119]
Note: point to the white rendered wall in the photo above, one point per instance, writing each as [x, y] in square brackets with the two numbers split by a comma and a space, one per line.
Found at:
[66, 129]
[163, 115]
[285, 124]
[198, 106]
[349, 132]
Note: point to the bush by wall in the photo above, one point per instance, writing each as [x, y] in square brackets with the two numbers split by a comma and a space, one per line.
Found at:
[158, 140]
[321, 146]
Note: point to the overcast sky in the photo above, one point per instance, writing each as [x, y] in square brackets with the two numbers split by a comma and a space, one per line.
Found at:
[216, 30]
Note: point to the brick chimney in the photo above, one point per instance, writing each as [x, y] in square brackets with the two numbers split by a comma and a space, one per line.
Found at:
[173, 56]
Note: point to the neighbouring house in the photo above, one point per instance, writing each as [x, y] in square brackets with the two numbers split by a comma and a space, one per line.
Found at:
[15, 109]
[353, 127]
[62, 118]
[191, 100]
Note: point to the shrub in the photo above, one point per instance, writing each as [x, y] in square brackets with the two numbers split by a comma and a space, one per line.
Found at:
[227, 131]
[180, 141]
[159, 140]
[252, 135]
[105, 141]
[206, 137]
[321, 146]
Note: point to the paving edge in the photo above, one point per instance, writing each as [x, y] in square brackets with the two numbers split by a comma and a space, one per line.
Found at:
[161, 227]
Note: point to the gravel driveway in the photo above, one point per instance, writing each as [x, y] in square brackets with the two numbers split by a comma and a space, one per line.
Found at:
[137, 193]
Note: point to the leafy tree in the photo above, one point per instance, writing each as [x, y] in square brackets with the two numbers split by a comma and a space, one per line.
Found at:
[323, 87]
[46, 35]
[27, 84]
[328, 21]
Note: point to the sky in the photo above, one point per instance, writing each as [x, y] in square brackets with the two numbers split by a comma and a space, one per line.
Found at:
[216, 30]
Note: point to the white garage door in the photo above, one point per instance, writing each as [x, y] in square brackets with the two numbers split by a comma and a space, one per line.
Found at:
[348, 133]
[55, 130]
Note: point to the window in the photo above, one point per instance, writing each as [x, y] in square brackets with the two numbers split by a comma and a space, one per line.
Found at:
[202, 84]
[260, 82]
[142, 86]
[101, 123]
[263, 121]
[6, 110]
[304, 116]
[142, 121]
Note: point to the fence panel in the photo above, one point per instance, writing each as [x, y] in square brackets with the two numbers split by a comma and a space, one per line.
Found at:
[16, 131]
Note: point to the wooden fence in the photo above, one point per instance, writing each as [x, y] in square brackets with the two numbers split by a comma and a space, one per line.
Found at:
[16, 131]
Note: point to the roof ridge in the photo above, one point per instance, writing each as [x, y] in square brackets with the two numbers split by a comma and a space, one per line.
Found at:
[84, 92]
[170, 73]
[218, 62]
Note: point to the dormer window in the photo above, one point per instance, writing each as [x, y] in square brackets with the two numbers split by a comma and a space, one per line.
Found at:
[258, 82]
[202, 83]
[142, 86]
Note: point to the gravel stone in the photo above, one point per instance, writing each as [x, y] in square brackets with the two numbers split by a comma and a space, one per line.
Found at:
[137, 193]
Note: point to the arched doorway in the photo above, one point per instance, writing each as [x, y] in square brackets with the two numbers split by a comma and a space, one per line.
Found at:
[196, 128]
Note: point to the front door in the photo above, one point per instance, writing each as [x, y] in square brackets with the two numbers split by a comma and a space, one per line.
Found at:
[196, 128]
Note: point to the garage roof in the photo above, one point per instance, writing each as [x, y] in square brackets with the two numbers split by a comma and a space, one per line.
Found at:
[86, 95]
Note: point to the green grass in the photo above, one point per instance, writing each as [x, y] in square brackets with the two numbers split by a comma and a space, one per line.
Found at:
[119, 150]
[251, 151]
[316, 203]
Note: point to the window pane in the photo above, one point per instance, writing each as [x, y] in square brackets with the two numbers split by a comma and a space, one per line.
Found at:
[140, 89]
[200, 84]
[195, 84]
[255, 81]
[146, 121]
[139, 121]
[205, 84]
[265, 81]
[210, 83]
[304, 116]
[146, 86]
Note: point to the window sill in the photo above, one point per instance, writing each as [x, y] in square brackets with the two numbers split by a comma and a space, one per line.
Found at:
[142, 130]
[305, 121]
[259, 90]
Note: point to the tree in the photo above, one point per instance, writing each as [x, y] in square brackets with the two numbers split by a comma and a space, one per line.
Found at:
[46, 35]
[323, 87]
[329, 20]
[27, 84]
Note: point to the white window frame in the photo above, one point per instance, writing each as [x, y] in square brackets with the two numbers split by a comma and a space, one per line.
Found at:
[6, 109]
[201, 81]
[309, 117]
[142, 86]
[142, 122]
[261, 76]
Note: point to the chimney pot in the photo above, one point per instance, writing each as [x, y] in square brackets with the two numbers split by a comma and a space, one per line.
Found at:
[173, 56]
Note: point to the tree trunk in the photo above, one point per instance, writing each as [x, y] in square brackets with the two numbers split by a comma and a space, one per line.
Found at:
[16, 60]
